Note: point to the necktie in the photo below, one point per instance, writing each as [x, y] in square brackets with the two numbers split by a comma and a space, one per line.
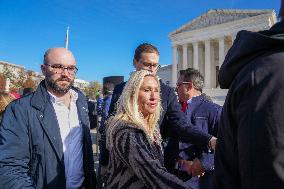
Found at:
[183, 106]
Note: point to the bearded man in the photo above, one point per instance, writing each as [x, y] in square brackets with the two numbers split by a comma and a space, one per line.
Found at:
[45, 140]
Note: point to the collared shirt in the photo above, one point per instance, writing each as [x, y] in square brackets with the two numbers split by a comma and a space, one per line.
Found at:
[184, 145]
[72, 139]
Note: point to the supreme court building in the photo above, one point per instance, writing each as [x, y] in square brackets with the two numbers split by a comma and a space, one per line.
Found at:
[204, 42]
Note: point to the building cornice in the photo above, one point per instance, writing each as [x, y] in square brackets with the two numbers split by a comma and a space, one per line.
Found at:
[255, 23]
[229, 15]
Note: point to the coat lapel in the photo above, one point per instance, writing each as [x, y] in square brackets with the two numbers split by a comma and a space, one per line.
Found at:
[47, 117]
[51, 128]
[82, 109]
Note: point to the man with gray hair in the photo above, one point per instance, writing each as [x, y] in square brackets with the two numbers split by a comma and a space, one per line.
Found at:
[250, 149]
[193, 164]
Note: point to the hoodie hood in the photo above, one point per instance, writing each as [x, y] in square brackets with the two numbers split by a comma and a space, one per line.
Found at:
[247, 46]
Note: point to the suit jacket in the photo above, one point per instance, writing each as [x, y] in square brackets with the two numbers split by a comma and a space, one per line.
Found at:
[31, 147]
[204, 115]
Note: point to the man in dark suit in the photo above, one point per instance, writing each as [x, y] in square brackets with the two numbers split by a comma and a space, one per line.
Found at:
[250, 150]
[192, 161]
[147, 58]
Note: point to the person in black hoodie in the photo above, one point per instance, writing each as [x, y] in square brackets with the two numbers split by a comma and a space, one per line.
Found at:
[250, 148]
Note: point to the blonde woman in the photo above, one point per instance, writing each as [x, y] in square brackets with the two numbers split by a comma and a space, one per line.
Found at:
[133, 138]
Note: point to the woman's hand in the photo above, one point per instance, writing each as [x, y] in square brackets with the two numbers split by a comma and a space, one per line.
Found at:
[197, 168]
[193, 168]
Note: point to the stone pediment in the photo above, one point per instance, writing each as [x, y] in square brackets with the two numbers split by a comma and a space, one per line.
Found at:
[219, 16]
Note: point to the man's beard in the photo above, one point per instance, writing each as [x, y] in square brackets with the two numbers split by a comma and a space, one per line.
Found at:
[53, 85]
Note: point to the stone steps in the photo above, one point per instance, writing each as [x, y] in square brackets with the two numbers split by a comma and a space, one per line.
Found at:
[218, 95]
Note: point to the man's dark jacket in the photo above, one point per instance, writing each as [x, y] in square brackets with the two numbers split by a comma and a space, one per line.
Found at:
[102, 131]
[93, 117]
[31, 150]
[176, 124]
[250, 147]
[204, 115]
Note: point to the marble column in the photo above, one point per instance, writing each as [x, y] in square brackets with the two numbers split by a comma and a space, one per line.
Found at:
[207, 73]
[221, 51]
[184, 57]
[195, 56]
[174, 68]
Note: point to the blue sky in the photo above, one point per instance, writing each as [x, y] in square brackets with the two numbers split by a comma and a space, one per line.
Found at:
[103, 33]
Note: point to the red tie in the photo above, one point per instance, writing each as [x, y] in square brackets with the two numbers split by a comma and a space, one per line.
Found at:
[183, 106]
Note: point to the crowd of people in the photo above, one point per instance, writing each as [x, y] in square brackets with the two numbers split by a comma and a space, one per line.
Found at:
[152, 135]
[7, 96]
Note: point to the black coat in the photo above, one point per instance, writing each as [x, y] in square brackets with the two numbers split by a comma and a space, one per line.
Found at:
[31, 150]
[93, 117]
[250, 148]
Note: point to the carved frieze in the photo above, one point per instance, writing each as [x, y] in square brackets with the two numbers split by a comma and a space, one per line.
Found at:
[219, 16]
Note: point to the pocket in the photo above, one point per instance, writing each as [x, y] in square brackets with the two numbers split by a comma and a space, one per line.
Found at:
[201, 122]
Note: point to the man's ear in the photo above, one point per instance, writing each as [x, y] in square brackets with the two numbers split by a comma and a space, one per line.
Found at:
[135, 63]
[43, 69]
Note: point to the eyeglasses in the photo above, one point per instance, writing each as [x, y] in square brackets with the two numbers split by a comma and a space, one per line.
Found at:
[182, 83]
[150, 66]
[59, 69]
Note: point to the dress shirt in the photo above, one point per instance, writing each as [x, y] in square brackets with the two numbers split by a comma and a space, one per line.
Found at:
[183, 145]
[72, 139]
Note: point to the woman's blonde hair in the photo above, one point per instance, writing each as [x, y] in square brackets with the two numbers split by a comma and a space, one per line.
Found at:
[5, 99]
[128, 111]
